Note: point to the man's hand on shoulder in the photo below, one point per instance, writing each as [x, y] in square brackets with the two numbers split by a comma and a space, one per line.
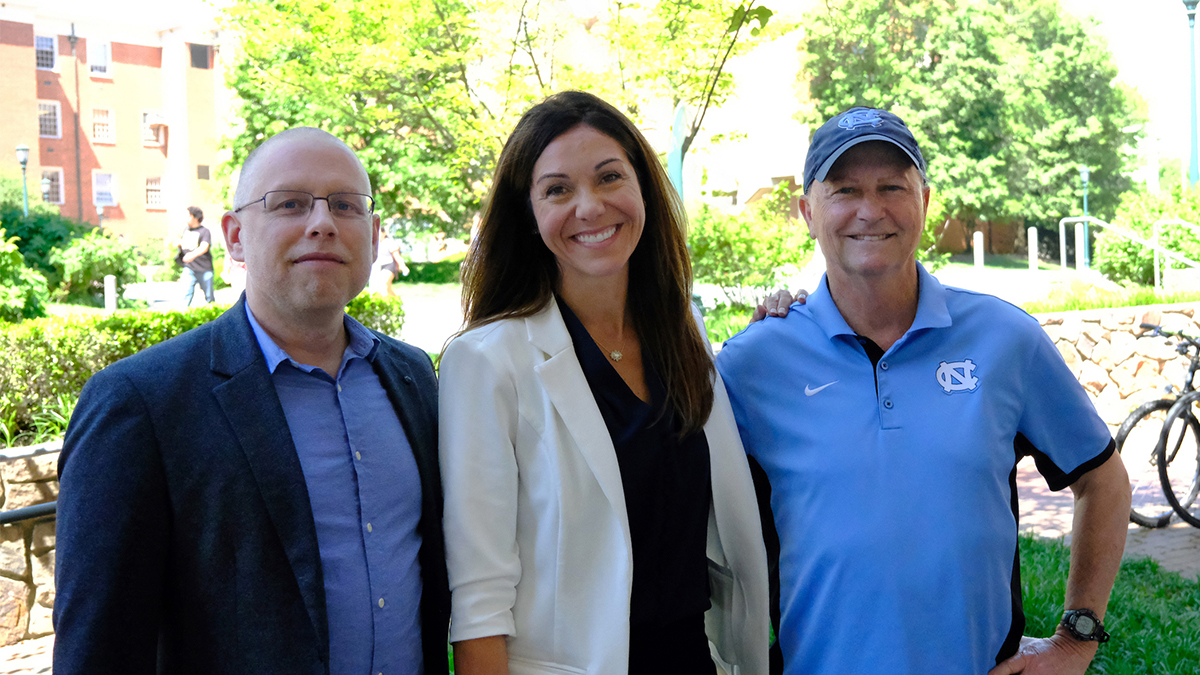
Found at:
[777, 303]
[1058, 654]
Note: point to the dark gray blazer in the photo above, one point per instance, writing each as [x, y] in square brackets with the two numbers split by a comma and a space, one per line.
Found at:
[186, 542]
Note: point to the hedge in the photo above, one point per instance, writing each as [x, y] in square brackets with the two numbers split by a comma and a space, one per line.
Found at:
[48, 360]
[441, 272]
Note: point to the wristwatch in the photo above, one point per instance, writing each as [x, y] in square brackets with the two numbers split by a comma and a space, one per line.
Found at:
[1084, 625]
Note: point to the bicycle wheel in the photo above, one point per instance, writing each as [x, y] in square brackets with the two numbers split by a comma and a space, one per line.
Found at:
[1137, 440]
[1178, 459]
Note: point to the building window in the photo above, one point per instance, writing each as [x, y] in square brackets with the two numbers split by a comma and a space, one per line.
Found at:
[49, 119]
[55, 195]
[104, 188]
[199, 56]
[202, 171]
[100, 58]
[103, 128]
[46, 55]
[154, 198]
[152, 127]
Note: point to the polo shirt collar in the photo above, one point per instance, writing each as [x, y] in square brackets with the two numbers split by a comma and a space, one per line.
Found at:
[931, 307]
[363, 344]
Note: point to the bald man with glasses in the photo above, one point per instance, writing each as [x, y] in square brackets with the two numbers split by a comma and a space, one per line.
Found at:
[299, 530]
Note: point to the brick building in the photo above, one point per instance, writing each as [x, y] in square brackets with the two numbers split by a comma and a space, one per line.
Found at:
[120, 112]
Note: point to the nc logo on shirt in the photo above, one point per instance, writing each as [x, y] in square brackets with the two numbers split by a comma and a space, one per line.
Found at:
[957, 376]
[858, 118]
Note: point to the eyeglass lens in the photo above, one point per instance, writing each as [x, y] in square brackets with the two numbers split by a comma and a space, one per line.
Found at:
[288, 203]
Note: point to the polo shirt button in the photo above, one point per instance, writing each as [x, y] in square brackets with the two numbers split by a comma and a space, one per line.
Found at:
[887, 403]
[357, 455]
[883, 365]
[369, 528]
[381, 602]
[339, 388]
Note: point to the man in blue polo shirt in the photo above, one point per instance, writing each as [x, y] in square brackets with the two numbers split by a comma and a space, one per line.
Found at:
[889, 413]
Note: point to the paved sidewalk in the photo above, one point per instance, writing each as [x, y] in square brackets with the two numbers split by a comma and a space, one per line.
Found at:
[1048, 514]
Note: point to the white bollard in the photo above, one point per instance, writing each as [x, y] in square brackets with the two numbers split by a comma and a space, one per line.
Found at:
[1031, 240]
[110, 293]
[977, 242]
[1079, 247]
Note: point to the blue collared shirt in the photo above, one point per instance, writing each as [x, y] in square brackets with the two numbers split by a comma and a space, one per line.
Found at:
[366, 501]
[891, 482]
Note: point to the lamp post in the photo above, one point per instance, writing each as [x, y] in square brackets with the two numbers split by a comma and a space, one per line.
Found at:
[45, 190]
[23, 158]
[1084, 174]
[1194, 169]
[100, 217]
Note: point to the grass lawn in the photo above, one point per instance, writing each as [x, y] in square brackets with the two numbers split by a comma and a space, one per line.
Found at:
[1154, 616]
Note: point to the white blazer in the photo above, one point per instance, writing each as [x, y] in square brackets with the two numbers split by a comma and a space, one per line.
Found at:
[537, 537]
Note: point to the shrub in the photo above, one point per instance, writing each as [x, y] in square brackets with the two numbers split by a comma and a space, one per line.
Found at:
[444, 271]
[39, 234]
[85, 262]
[1120, 259]
[381, 313]
[741, 254]
[49, 360]
[22, 290]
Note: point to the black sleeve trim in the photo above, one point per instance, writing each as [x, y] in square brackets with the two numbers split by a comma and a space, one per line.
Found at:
[1055, 478]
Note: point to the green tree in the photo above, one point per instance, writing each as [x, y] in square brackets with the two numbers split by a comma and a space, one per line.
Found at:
[1007, 99]
[678, 49]
[427, 91]
[389, 77]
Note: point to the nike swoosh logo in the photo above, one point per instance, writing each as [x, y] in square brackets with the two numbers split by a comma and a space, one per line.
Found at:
[809, 391]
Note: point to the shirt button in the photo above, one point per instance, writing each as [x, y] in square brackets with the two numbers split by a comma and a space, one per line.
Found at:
[883, 365]
[887, 403]
[381, 602]
[357, 455]
[339, 388]
[369, 528]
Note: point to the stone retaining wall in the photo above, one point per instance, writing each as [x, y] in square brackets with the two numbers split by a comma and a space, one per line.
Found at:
[27, 548]
[1119, 370]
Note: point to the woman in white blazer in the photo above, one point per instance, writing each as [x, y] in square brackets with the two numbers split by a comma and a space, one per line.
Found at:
[599, 512]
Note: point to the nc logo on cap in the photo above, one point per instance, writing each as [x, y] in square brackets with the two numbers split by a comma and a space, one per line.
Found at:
[858, 118]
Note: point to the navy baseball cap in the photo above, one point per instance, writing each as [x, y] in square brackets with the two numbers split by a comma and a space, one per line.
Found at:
[848, 129]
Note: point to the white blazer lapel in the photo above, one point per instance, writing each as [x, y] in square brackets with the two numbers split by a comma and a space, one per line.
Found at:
[571, 397]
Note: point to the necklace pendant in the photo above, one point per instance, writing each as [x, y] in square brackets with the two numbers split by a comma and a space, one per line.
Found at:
[615, 355]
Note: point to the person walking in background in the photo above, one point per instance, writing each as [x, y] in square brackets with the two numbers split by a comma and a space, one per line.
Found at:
[393, 267]
[600, 516]
[889, 413]
[195, 254]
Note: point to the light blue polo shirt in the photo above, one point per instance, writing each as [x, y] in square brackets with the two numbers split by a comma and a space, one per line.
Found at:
[893, 486]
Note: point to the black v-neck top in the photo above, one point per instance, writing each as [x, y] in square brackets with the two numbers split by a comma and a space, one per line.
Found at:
[668, 491]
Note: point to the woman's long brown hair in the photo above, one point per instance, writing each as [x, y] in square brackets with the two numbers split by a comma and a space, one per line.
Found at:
[509, 272]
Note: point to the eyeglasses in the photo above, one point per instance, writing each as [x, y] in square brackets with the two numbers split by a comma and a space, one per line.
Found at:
[296, 204]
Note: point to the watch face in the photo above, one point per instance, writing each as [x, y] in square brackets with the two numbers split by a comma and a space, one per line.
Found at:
[1084, 624]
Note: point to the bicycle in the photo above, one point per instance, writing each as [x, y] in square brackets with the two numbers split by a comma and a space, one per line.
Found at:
[1160, 432]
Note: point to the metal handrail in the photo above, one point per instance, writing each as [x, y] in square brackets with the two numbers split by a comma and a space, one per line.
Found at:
[1116, 229]
[1166, 221]
[28, 513]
